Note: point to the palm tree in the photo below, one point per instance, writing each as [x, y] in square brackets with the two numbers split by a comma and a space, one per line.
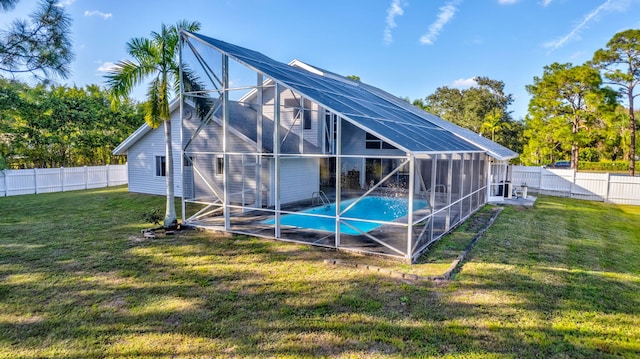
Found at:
[493, 121]
[155, 60]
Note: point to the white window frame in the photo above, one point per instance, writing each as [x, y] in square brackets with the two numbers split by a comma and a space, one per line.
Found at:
[160, 167]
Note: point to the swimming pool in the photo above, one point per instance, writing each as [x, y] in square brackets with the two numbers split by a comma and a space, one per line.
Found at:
[372, 208]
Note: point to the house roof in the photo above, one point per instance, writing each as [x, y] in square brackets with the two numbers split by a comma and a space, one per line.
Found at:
[365, 106]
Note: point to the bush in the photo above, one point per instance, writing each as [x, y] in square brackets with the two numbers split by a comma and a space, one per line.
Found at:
[609, 166]
[154, 215]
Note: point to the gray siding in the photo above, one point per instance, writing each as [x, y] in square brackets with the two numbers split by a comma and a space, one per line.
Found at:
[311, 135]
[354, 143]
[299, 178]
[141, 160]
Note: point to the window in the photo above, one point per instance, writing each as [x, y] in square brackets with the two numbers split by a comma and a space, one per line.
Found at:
[294, 104]
[373, 142]
[161, 166]
[219, 166]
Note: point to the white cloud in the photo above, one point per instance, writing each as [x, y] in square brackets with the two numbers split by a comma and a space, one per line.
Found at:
[395, 9]
[507, 2]
[546, 3]
[106, 66]
[98, 13]
[445, 15]
[64, 3]
[464, 83]
[608, 5]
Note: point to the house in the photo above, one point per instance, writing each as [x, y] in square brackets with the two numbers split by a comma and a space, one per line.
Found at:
[298, 153]
[145, 151]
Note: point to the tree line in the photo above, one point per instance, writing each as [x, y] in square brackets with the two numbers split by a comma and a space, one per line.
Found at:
[52, 126]
[577, 112]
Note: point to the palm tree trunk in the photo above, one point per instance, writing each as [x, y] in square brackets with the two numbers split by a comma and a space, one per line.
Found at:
[170, 218]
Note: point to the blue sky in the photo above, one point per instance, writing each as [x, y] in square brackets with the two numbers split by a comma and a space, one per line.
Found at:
[406, 47]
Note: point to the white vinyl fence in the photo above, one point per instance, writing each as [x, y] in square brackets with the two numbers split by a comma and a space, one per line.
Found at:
[45, 180]
[620, 189]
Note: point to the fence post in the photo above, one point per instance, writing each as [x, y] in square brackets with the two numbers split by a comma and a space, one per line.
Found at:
[35, 180]
[606, 198]
[86, 177]
[108, 170]
[4, 178]
[573, 183]
[62, 177]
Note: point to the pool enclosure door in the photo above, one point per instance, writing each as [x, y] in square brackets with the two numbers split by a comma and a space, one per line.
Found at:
[499, 186]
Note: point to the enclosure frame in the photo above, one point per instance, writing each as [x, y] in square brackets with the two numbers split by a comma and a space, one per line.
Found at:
[429, 176]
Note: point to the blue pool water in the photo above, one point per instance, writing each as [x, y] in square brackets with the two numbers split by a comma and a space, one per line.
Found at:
[369, 208]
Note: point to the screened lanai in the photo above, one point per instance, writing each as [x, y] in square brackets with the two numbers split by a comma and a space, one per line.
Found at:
[297, 153]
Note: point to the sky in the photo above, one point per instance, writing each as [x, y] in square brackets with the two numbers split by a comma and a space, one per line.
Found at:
[408, 48]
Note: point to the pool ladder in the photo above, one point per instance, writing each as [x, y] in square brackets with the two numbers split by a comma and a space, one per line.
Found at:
[319, 197]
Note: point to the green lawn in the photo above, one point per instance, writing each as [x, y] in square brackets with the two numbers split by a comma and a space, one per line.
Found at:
[77, 280]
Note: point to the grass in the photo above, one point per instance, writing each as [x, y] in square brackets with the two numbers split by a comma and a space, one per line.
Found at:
[77, 280]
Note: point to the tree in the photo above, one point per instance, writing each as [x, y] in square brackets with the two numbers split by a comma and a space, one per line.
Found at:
[470, 107]
[419, 103]
[567, 102]
[481, 108]
[41, 47]
[6, 5]
[493, 121]
[448, 103]
[61, 126]
[154, 59]
[354, 78]
[620, 62]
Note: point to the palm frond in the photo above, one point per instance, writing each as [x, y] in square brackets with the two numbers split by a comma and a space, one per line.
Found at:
[158, 56]
[152, 111]
[142, 49]
[125, 75]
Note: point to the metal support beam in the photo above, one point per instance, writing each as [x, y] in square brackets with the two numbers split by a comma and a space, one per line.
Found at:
[225, 139]
[276, 156]
[461, 199]
[258, 175]
[181, 76]
[338, 177]
[432, 199]
[208, 71]
[412, 175]
[207, 118]
[449, 186]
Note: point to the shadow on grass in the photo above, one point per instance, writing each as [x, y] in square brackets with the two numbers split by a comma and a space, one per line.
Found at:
[105, 293]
